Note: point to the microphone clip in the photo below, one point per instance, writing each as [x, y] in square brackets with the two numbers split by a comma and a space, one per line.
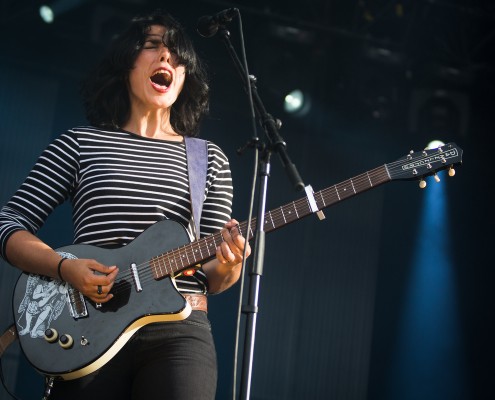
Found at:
[208, 25]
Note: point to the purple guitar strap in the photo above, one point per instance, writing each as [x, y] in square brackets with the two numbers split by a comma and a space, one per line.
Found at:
[197, 165]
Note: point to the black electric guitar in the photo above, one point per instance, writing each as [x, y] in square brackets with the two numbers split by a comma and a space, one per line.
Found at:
[66, 336]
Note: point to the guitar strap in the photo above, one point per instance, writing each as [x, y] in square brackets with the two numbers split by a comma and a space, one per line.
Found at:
[7, 339]
[197, 165]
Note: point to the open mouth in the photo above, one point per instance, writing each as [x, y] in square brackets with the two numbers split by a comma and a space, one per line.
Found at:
[162, 78]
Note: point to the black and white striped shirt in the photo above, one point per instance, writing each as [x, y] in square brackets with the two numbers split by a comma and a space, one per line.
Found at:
[119, 184]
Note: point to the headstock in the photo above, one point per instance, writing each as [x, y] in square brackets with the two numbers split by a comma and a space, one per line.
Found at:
[418, 165]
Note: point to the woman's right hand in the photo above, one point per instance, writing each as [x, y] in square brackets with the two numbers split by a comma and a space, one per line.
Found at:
[87, 275]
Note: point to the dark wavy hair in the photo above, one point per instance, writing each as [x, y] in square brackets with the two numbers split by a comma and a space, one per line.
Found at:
[105, 91]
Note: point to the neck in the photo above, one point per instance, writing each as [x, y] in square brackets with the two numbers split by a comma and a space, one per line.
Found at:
[153, 125]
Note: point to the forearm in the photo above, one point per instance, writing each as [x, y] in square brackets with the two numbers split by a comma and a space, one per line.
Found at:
[28, 253]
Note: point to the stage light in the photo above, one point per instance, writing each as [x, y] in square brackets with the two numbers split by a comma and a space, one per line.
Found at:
[48, 12]
[297, 103]
[435, 144]
[428, 361]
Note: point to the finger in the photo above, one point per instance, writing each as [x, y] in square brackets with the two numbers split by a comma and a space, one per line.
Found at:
[106, 279]
[233, 240]
[230, 256]
[238, 239]
[224, 254]
[101, 298]
[103, 269]
[102, 292]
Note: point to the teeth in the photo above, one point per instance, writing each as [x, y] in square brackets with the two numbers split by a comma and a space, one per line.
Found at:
[162, 71]
[162, 77]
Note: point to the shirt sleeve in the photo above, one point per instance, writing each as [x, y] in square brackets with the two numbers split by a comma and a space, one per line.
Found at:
[49, 184]
[217, 207]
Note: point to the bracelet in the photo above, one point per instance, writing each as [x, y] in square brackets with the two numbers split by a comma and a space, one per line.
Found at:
[59, 267]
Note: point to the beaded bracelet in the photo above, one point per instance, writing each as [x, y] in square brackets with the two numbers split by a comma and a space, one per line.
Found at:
[59, 267]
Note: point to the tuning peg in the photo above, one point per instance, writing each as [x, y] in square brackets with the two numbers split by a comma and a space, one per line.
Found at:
[422, 183]
[437, 178]
[451, 171]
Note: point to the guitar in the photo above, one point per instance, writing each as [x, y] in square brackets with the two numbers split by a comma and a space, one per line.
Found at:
[66, 336]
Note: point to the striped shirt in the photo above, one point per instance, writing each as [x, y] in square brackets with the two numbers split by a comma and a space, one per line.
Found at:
[119, 184]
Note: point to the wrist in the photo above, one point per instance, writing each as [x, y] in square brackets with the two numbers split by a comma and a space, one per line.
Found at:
[59, 268]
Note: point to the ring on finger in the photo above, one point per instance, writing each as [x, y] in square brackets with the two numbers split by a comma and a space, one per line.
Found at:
[99, 289]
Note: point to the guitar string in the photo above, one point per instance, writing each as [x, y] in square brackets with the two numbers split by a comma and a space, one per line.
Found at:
[276, 216]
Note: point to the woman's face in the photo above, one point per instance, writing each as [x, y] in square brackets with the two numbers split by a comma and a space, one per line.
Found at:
[156, 79]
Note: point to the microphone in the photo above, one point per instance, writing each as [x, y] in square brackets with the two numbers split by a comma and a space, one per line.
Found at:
[208, 24]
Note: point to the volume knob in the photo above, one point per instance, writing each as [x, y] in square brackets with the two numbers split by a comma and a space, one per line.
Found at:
[66, 341]
[51, 335]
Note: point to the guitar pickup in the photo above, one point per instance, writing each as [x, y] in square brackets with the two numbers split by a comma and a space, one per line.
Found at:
[135, 276]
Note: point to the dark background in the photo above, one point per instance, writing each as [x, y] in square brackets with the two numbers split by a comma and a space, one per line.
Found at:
[385, 77]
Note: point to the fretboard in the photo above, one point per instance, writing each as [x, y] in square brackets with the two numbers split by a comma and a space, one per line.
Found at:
[203, 249]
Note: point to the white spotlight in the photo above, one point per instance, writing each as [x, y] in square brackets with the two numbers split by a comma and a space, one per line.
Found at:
[46, 14]
[296, 102]
[56, 8]
[435, 144]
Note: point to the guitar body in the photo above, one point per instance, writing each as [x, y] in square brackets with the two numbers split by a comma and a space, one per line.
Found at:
[98, 332]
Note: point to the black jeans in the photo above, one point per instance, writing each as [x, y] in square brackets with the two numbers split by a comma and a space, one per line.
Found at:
[162, 361]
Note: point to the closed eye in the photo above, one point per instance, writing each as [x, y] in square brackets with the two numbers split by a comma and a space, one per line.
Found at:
[152, 44]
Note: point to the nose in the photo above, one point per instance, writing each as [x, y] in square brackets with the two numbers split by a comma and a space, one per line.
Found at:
[165, 55]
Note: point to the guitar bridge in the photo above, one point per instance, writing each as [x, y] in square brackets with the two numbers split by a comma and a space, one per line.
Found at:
[77, 305]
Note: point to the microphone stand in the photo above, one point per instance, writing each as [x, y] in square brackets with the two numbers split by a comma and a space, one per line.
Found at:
[277, 144]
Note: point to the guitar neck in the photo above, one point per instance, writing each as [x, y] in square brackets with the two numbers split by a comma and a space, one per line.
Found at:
[203, 249]
[301, 208]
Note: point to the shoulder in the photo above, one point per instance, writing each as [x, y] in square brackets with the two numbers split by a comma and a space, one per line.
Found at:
[216, 152]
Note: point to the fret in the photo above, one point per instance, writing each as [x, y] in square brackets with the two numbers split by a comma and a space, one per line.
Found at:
[361, 184]
[283, 215]
[251, 233]
[153, 262]
[198, 245]
[295, 209]
[336, 191]
[211, 239]
[161, 264]
[269, 214]
[174, 257]
[352, 184]
[183, 257]
[322, 199]
[291, 212]
[369, 179]
[344, 191]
